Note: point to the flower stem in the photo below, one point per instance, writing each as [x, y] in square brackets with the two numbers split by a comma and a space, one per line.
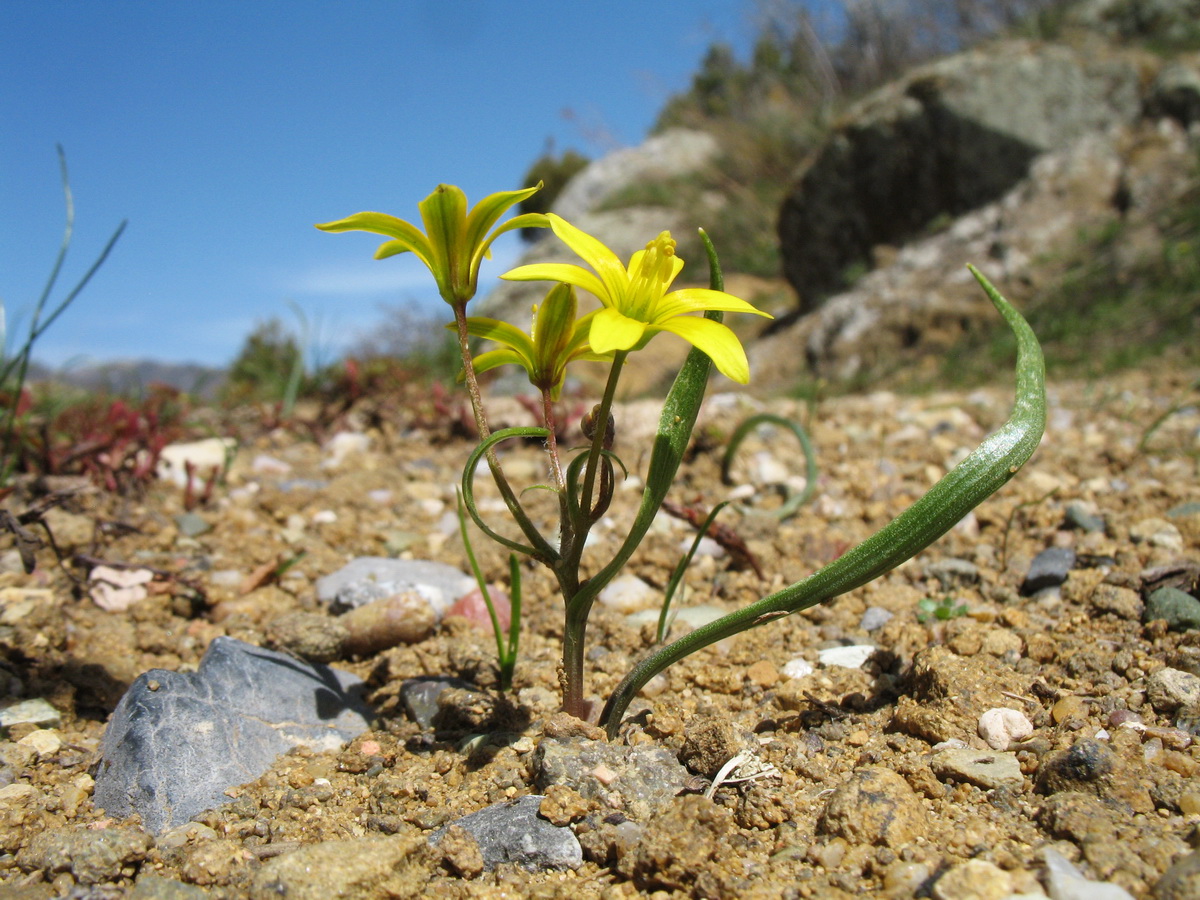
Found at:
[575, 629]
[552, 441]
[510, 500]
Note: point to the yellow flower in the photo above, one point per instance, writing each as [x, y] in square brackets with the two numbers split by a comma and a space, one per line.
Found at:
[636, 303]
[555, 339]
[454, 241]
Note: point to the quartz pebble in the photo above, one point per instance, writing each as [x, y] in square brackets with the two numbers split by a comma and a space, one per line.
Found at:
[1066, 882]
[853, 657]
[628, 593]
[797, 668]
[1000, 727]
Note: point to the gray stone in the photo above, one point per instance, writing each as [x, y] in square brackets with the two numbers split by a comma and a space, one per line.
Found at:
[92, 857]
[1170, 689]
[420, 696]
[874, 618]
[1180, 609]
[30, 712]
[1048, 569]
[637, 781]
[177, 741]
[1083, 517]
[371, 578]
[513, 832]
[191, 525]
[1083, 763]
[988, 769]
[952, 572]
[949, 137]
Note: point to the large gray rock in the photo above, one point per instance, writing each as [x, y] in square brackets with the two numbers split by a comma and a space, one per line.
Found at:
[178, 740]
[950, 137]
[920, 301]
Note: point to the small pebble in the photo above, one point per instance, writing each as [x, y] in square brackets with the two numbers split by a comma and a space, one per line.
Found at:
[1084, 517]
[797, 668]
[1069, 709]
[975, 879]
[30, 712]
[44, 741]
[982, 768]
[763, 673]
[1050, 568]
[1001, 727]
[874, 618]
[1157, 533]
[852, 657]
[629, 593]
[1066, 882]
[1168, 689]
[1180, 609]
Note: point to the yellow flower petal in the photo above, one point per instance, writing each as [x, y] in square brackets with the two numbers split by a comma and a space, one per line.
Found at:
[689, 300]
[715, 339]
[561, 272]
[612, 331]
[596, 255]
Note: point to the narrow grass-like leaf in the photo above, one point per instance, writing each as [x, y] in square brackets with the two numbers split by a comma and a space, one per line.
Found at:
[544, 551]
[792, 502]
[680, 568]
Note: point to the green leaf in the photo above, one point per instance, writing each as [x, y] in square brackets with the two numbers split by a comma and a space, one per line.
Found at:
[971, 482]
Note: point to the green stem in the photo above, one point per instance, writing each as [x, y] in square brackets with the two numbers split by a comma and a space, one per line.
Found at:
[575, 628]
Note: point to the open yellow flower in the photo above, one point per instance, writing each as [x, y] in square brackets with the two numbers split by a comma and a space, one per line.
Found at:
[636, 303]
[555, 339]
[454, 241]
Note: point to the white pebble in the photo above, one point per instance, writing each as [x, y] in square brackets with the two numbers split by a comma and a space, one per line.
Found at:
[851, 657]
[797, 668]
[1000, 727]
[628, 593]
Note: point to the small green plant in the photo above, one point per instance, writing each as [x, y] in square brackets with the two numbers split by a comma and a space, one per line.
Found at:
[14, 366]
[508, 643]
[637, 304]
[677, 575]
[941, 610]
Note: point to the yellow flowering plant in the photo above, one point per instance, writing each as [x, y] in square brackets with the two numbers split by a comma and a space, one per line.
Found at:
[636, 304]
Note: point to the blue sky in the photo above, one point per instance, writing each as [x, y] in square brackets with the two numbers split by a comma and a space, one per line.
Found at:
[222, 130]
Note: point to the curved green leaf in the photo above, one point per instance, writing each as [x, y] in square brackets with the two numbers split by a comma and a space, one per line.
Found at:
[971, 482]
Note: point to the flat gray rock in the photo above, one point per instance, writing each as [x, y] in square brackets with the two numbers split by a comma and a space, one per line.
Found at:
[513, 832]
[371, 578]
[177, 741]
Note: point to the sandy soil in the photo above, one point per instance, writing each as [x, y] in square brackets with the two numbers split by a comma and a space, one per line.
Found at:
[859, 796]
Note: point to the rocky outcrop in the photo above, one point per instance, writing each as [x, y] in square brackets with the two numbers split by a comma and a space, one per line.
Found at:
[948, 138]
[920, 301]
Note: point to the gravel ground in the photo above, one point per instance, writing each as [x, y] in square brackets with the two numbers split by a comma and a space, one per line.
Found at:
[872, 780]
